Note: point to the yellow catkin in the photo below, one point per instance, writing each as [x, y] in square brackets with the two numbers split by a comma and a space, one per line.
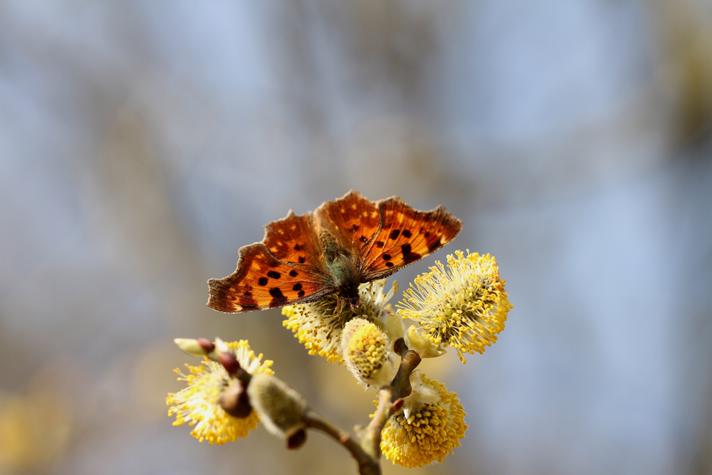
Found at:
[366, 349]
[429, 433]
[198, 403]
[318, 325]
[463, 305]
[367, 354]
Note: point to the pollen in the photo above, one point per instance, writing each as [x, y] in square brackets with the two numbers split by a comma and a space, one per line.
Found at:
[427, 433]
[198, 403]
[319, 325]
[366, 352]
[463, 305]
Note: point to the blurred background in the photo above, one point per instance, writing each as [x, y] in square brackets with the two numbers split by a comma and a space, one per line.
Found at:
[141, 143]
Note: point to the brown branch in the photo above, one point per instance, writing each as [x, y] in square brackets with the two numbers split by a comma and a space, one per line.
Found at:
[366, 449]
[371, 438]
[390, 398]
[367, 465]
[400, 386]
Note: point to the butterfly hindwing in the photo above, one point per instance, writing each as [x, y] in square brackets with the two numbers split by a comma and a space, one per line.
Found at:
[263, 281]
[406, 235]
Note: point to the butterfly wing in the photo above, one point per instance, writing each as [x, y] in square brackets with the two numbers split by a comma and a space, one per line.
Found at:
[284, 268]
[352, 219]
[293, 239]
[404, 236]
[386, 235]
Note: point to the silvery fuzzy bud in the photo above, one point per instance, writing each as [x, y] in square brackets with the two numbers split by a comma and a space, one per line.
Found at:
[280, 408]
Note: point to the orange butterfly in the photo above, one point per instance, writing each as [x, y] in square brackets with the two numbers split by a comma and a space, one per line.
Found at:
[344, 243]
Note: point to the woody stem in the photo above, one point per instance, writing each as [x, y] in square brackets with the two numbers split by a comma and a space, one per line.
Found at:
[366, 448]
[367, 465]
[390, 398]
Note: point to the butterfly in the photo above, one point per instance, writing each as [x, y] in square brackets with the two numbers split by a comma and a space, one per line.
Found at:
[342, 244]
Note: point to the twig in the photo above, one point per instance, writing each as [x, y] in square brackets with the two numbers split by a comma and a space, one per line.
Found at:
[400, 386]
[390, 400]
[367, 450]
[367, 465]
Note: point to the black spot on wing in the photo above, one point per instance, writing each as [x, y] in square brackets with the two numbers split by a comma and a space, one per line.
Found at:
[408, 255]
[278, 297]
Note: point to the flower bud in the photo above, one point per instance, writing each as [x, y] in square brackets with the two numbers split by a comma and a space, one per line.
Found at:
[297, 439]
[367, 353]
[235, 401]
[280, 408]
[229, 361]
[195, 347]
[221, 346]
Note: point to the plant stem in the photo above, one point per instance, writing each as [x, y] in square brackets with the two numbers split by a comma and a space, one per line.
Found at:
[367, 465]
[390, 400]
[367, 449]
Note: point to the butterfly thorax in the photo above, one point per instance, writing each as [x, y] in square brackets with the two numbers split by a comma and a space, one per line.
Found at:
[342, 267]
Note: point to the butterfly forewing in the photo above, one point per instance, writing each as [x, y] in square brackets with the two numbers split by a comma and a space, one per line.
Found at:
[353, 219]
[293, 239]
[406, 235]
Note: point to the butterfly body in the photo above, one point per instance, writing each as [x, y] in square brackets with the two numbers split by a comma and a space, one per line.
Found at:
[343, 269]
[345, 242]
